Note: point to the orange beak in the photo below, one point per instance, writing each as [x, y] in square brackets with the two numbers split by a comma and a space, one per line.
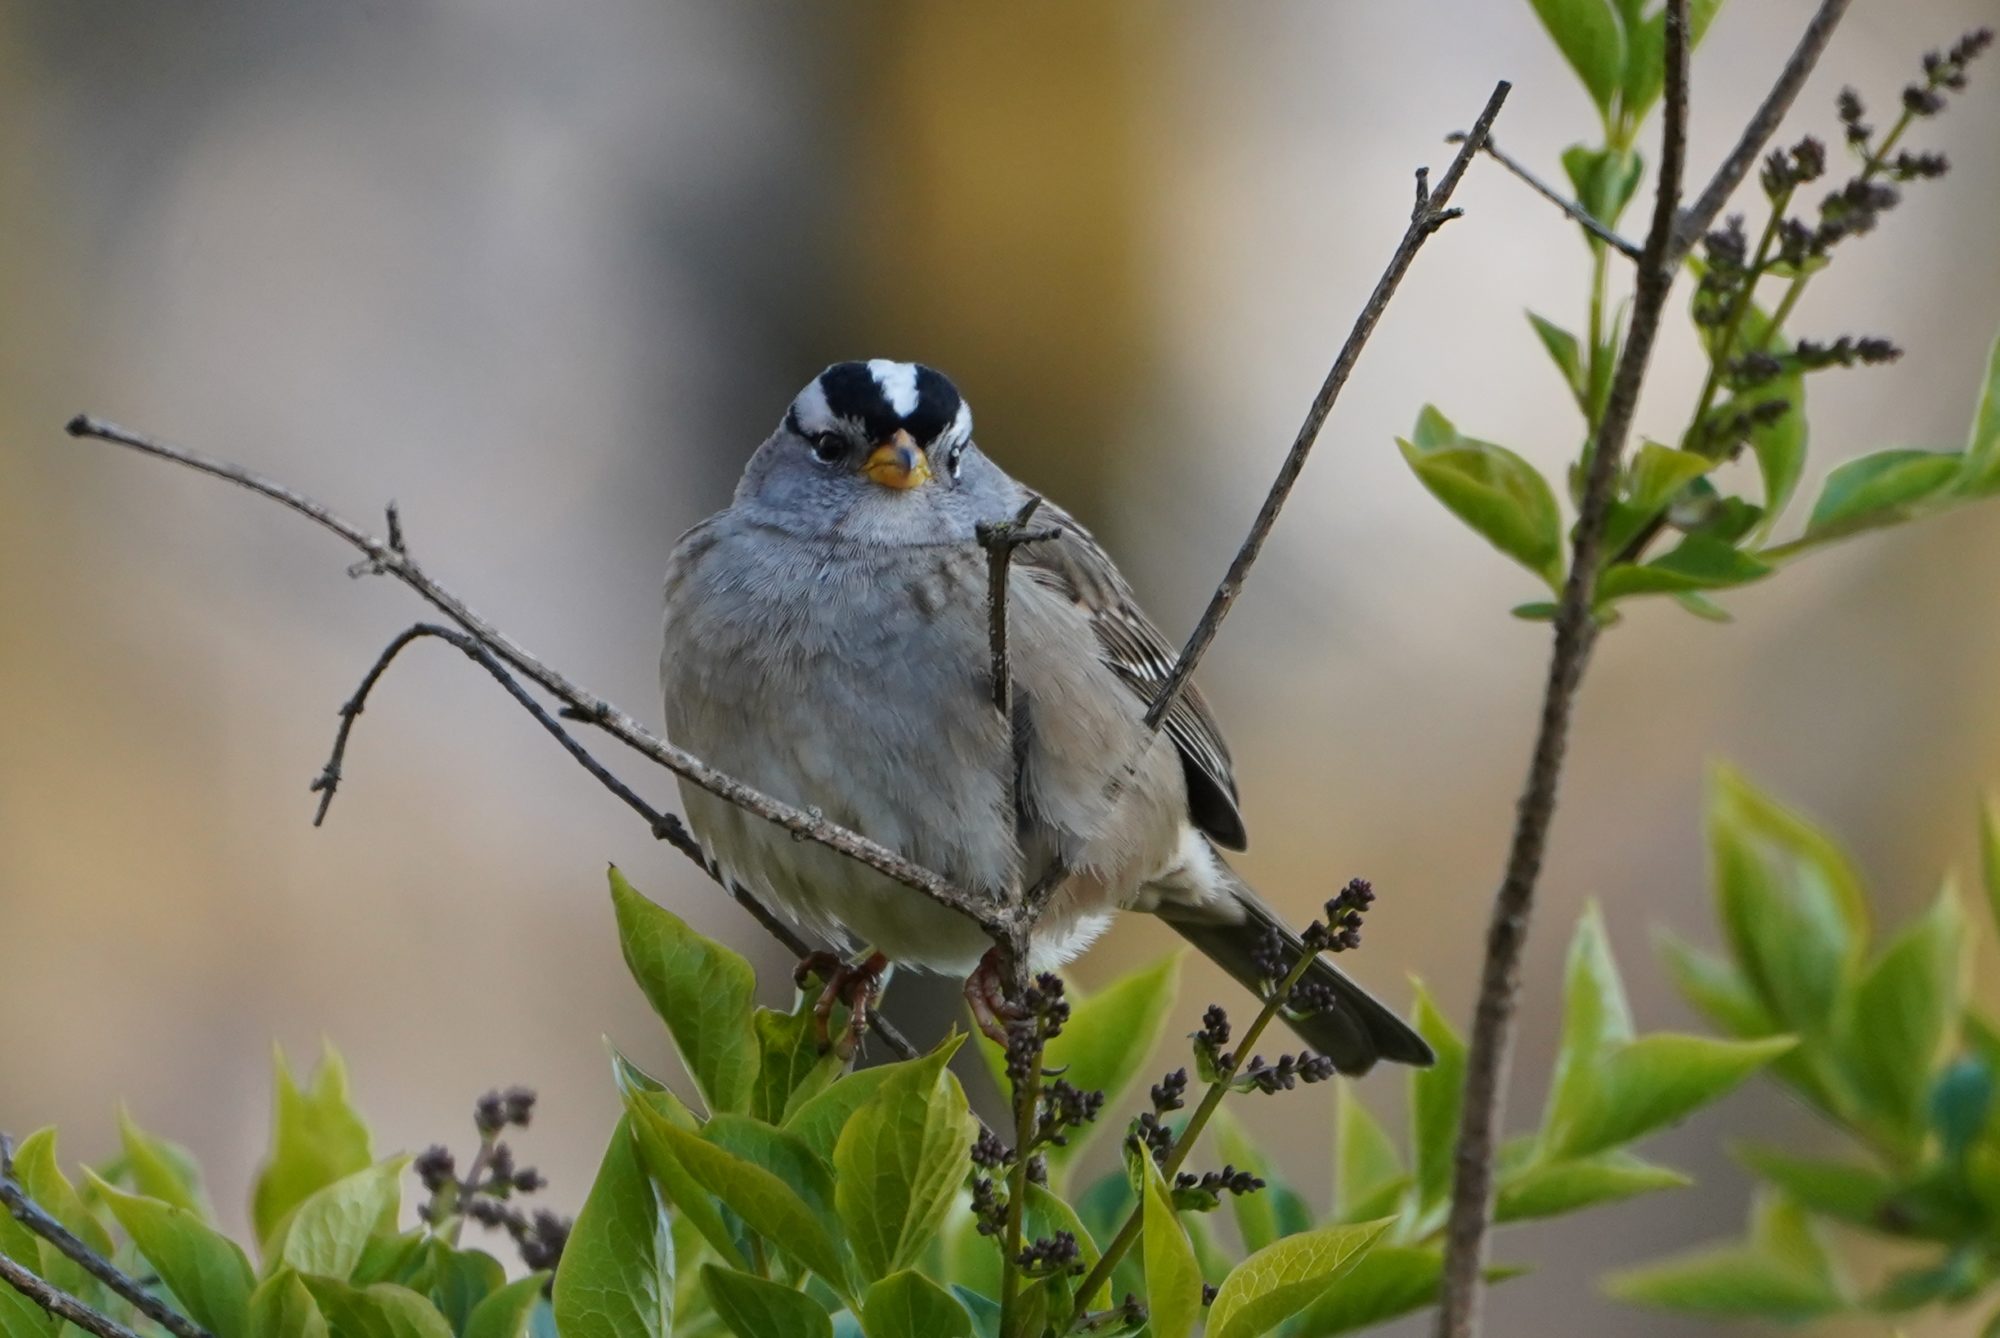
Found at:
[897, 463]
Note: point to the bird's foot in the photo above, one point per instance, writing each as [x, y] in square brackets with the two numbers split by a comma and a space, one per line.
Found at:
[856, 984]
[985, 994]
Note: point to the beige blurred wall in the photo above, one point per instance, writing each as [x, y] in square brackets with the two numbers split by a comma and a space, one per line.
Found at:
[545, 279]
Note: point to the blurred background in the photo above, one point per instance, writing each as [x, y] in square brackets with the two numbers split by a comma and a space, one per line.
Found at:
[546, 275]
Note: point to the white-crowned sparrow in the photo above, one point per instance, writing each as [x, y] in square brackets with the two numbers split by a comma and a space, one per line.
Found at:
[827, 642]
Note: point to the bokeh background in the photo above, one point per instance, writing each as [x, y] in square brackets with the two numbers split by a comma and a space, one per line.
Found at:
[545, 275]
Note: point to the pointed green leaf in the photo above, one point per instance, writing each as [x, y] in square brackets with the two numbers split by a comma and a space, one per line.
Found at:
[1552, 1188]
[205, 1270]
[703, 991]
[317, 1137]
[1500, 495]
[20, 1317]
[1840, 1190]
[161, 1170]
[1104, 1046]
[764, 1200]
[1729, 1283]
[1567, 356]
[326, 1234]
[1658, 472]
[39, 1172]
[783, 1154]
[1652, 1082]
[281, 1307]
[1173, 1278]
[753, 1307]
[1779, 445]
[1604, 181]
[1273, 1211]
[1596, 1018]
[455, 1280]
[381, 1311]
[909, 1305]
[692, 1201]
[1368, 1175]
[1646, 66]
[1044, 1214]
[1880, 489]
[1698, 562]
[1278, 1281]
[616, 1278]
[1390, 1281]
[1902, 1014]
[819, 1119]
[507, 1311]
[897, 1164]
[1437, 1096]
[1591, 37]
[790, 1069]
[1982, 449]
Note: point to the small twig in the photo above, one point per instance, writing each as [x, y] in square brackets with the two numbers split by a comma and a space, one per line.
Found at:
[32, 1216]
[665, 826]
[60, 1303]
[1577, 213]
[1763, 124]
[381, 556]
[1000, 539]
[1428, 216]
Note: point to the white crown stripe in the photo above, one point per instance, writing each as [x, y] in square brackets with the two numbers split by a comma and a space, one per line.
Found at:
[899, 384]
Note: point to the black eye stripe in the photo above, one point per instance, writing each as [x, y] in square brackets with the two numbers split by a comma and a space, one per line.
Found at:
[854, 395]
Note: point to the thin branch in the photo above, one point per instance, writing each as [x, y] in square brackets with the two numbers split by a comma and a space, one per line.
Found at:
[583, 705]
[1427, 217]
[1000, 540]
[1763, 124]
[60, 1303]
[32, 1216]
[1577, 213]
[666, 826]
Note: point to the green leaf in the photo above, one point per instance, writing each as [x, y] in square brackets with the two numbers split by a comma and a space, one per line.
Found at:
[819, 1119]
[764, 1200]
[1960, 1100]
[647, 1113]
[455, 1280]
[1789, 901]
[1368, 1175]
[1902, 1014]
[1591, 37]
[281, 1307]
[790, 1069]
[317, 1137]
[1496, 492]
[1981, 471]
[1880, 489]
[1654, 1081]
[1729, 1283]
[1105, 1044]
[753, 1307]
[1604, 180]
[381, 1311]
[20, 1317]
[1698, 562]
[1840, 1190]
[1567, 355]
[1552, 1188]
[783, 1154]
[1779, 445]
[206, 1271]
[1701, 606]
[1280, 1280]
[1273, 1211]
[1646, 66]
[1388, 1282]
[1173, 1278]
[1437, 1096]
[703, 992]
[616, 1278]
[909, 1305]
[1658, 472]
[37, 1169]
[1596, 1018]
[1536, 611]
[897, 1164]
[1044, 1214]
[161, 1170]
[507, 1311]
[326, 1234]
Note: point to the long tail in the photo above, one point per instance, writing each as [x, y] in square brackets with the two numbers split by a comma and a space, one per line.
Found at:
[1355, 1033]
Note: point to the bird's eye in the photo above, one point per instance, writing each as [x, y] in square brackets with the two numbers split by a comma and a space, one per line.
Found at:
[827, 447]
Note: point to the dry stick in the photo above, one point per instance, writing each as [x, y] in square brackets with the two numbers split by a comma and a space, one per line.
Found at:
[1575, 632]
[60, 1303]
[32, 1216]
[666, 826]
[388, 560]
[1603, 232]
[1427, 217]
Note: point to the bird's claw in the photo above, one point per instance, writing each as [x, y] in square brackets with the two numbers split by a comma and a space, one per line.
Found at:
[856, 984]
[986, 997]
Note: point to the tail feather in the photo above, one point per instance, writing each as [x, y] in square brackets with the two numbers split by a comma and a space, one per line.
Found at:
[1354, 1034]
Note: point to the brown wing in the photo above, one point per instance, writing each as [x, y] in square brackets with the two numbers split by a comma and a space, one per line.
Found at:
[1075, 566]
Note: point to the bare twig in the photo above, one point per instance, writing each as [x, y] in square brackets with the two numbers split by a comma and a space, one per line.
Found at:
[1763, 124]
[1427, 217]
[1575, 635]
[666, 826]
[60, 1303]
[582, 705]
[1000, 540]
[1602, 231]
[32, 1216]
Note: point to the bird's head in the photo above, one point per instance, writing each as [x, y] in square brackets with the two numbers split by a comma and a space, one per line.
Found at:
[876, 450]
